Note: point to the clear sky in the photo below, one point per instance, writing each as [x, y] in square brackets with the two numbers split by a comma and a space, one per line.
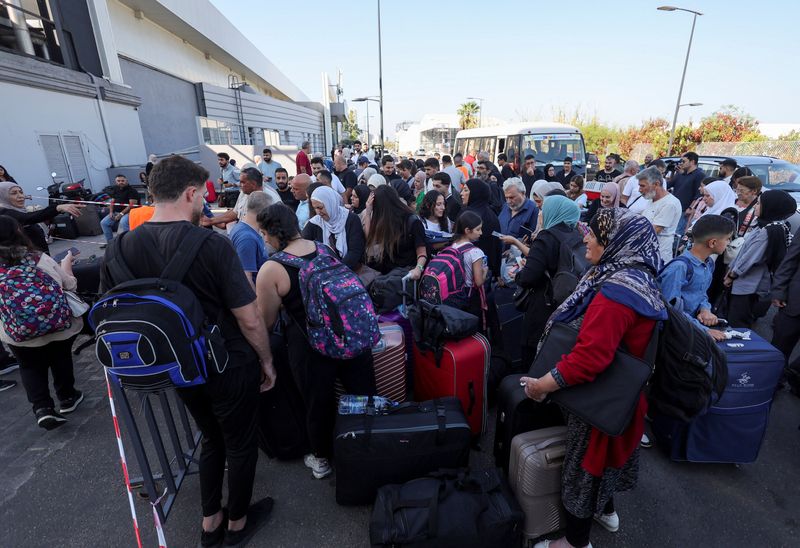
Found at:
[618, 59]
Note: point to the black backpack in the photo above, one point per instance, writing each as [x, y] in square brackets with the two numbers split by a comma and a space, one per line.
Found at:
[572, 265]
[691, 371]
[152, 333]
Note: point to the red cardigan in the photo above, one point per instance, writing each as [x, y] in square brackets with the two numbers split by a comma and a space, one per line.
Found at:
[606, 324]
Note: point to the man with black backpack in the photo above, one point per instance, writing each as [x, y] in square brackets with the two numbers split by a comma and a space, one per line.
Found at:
[224, 403]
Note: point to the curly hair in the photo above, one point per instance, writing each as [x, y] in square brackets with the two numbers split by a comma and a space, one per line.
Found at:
[426, 209]
[279, 221]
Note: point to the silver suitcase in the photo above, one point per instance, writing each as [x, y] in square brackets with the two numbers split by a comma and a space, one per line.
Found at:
[535, 476]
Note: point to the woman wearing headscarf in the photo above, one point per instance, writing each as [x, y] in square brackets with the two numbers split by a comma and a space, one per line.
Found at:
[559, 223]
[718, 196]
[609, 197]
[750, 274]
[616, 303]
[542, 188]
[550, 173]
[358, 198]
[475, 197]
[12, 203]
[336, 227]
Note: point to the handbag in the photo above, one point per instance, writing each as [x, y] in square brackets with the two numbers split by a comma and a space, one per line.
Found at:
[76, 304]
[732, 250]
[608, 402]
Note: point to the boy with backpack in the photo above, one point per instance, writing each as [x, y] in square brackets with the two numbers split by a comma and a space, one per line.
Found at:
[209, 278]
[686, 279]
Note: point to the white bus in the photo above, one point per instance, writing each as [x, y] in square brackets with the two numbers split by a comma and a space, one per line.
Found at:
[548, 142]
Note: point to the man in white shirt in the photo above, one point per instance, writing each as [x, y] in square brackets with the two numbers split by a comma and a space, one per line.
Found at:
[318, 165]
[664, 212]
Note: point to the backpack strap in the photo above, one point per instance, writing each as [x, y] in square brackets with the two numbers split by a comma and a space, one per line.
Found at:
[185, 255]
[117, 267]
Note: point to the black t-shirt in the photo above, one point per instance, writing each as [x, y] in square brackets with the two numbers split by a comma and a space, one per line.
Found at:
[347, 177]
[122, 197]
[685, 186]
[507, 172]
[216, 277]
[603, 177]
[406, 253]
[288, 198]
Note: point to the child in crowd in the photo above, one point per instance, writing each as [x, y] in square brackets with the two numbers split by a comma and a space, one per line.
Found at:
[686, 279]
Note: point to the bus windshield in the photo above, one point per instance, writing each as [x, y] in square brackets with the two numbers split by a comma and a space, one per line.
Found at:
[553, 148]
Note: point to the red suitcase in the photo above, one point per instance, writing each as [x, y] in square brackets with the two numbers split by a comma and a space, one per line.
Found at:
[461, 373]
[389, 361]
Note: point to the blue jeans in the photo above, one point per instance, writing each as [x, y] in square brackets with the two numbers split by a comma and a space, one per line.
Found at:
[108, 224]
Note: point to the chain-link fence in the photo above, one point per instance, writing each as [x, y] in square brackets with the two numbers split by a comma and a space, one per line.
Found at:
[785, 150]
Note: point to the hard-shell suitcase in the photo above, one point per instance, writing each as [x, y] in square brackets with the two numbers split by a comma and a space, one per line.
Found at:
[389, 363]
[89, 222]
[64, 226]
[517, 414]
[396, 446]
[87, 274]
[397, 317]
[734, 427]
[461, 372]
[535, 477]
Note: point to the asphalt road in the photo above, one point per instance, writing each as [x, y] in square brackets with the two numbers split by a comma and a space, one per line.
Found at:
[65, 488]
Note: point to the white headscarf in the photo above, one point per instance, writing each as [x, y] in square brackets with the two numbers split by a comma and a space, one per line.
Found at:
[542, 188]
[724, 197]
[337, 218]
[376, 180]
[5, 199]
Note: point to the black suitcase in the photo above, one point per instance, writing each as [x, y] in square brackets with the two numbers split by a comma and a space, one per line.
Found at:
[510, 327]
[89, 222]
[516, 414]
[87, 272]
[228, 199]
[407, 442]
[282, 432]
[65, 226]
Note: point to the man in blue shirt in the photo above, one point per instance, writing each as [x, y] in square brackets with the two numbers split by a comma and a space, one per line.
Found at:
[299, 187]
[519, 215]
[267, 167]
[247, 240]
[686, 279]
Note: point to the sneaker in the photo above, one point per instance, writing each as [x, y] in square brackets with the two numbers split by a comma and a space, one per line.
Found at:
[257, 516]
[646, 443]
[6, 385]
[319, 467]
[212, 539]
[70, 404]
[609, 521]
[48, 419]
[8, 367]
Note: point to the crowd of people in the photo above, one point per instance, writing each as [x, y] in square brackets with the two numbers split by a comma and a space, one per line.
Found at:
[712, 248]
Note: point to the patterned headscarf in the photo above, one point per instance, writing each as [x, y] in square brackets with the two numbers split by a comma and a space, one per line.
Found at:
[626, 270]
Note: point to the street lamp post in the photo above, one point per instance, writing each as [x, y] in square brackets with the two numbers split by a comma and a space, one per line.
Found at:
[683, 76]
[480, 109]
[367, 100]
[380, 71]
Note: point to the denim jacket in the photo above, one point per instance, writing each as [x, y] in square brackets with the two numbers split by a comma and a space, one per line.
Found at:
[689, 297]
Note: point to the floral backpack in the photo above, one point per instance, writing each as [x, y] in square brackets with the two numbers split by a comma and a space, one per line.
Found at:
[340, 317]
[33, 303]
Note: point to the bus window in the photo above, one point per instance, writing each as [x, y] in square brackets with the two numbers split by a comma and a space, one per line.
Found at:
[501, 145]
[472, 146]
[458, 147]
[512, 150]
[488, 146]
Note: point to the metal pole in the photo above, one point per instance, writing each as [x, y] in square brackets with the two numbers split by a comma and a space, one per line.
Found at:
[367, 139]
[380, 70]
[680, 90]
[480, 114]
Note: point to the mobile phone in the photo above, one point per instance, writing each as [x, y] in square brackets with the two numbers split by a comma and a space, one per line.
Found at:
[525, 228]
[497, 234]
[75, 252]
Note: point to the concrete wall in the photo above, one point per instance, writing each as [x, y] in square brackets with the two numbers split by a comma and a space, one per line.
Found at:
[169, 111]
[30, 112]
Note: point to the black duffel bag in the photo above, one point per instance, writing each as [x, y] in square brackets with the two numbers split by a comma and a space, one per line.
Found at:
[397, 445]
[387, 290]
[450, 508]
[434, 324]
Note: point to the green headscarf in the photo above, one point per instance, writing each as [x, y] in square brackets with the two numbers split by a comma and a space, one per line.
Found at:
[559, 209]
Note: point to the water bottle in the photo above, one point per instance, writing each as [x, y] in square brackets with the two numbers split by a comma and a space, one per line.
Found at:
[357, 405]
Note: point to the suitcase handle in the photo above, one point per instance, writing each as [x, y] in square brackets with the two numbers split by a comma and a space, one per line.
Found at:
[548, 442]
[555, 456]
[471, 398]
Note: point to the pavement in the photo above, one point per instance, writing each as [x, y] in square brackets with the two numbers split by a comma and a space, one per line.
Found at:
[65, 487]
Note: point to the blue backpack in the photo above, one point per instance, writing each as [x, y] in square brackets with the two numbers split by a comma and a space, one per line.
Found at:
[340, 318]
[152, 333]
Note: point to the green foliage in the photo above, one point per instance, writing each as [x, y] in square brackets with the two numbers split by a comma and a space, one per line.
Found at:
[728, 125]
[350, 129]
[793, 135]
[468, 115]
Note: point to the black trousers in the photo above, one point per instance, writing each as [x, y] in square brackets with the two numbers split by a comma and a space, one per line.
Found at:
[315, 376]
[226, 409]
[579, 529]
[785, 335]
[35, 364]
[740, 310]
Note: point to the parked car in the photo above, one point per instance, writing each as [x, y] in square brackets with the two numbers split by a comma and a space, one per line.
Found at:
[775, 174]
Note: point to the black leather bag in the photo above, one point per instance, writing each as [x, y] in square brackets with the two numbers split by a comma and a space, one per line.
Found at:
[608, 402]
[433, 324]
[387, 290]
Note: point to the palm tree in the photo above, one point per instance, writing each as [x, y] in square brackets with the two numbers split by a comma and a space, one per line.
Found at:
[468, 115]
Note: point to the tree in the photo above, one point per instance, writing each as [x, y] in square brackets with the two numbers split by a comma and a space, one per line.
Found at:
[350, 129]
[730, 125]
[793, 135]
[468, 115]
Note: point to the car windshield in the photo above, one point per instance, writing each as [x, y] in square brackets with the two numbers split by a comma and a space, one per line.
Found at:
[552, 149]
[778, 175]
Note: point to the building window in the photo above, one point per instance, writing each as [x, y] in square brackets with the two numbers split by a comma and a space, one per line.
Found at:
[216, 132]
[65, 157]
[272, 137]
[28, 28]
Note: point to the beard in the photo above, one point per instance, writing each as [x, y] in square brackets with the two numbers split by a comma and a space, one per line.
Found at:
[196, 215]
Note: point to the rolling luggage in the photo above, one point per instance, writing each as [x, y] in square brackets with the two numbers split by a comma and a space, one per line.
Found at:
[89, 222]
[87, 273]
[228, 198]
[389, 362]
[510, 327]
[535, 477]
[65, 227]
[450, 508]
[408, 333]
[396, 446]
[517, 414]
[282, 432]
[461, 372]
[734, 427]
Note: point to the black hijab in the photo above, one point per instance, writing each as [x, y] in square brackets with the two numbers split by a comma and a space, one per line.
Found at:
[479, 203]
[549, 178]
[362, 191]
[776, 207]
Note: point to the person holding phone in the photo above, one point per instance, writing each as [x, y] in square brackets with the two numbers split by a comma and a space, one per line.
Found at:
[519, 215]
